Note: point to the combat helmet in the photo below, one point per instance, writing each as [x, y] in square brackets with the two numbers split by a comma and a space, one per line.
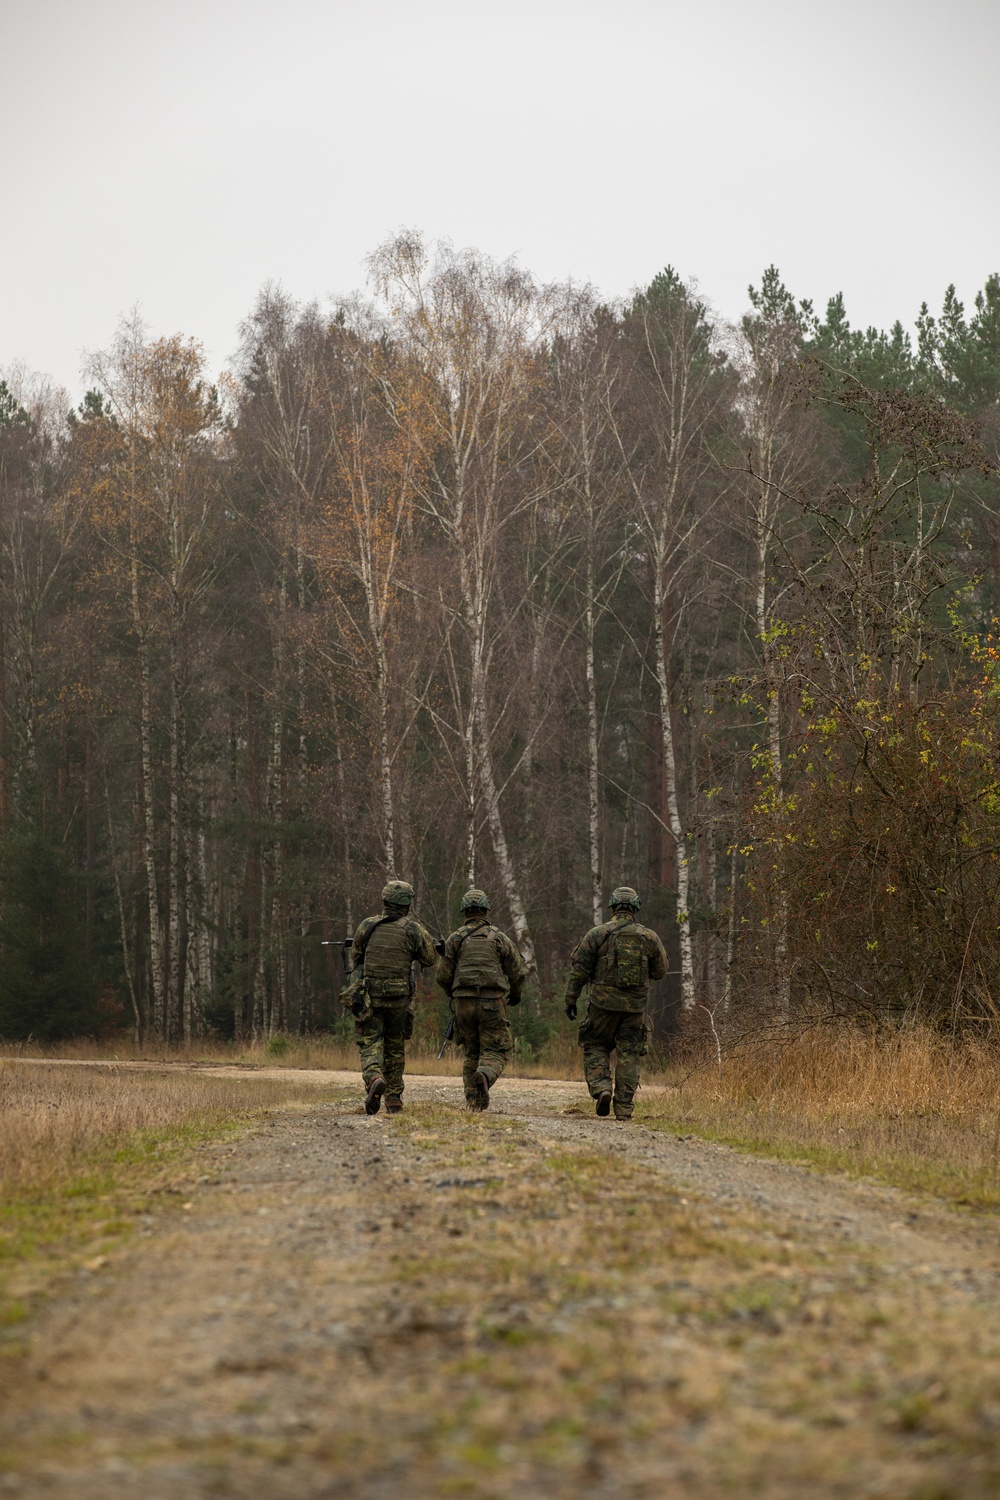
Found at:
[624, 895]
[475, 900]
[397, 893]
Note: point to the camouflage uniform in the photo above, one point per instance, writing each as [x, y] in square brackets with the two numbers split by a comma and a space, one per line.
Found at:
[618, 975]
[481, 1025]
[383, 952]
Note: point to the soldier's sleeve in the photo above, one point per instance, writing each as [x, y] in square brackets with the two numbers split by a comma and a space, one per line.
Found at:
[444, 974]
[581, 965]
[423, 945]
[657, 958]
[512, 965]
[358, 945]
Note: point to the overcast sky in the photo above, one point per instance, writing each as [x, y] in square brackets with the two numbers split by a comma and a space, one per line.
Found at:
[179, 155]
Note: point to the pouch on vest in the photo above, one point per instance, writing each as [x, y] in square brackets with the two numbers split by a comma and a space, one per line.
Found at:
[631, 962]
[388, 989]
[478, 965]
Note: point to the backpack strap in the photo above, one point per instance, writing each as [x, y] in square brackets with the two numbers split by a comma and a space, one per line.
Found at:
[612, 929]
[465, 939]
[385, 917]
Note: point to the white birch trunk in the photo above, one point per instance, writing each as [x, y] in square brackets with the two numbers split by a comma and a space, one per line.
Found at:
[156, 973]
[470, 793]
[175, 898]
[593, 773]
[385, 764]
[345, 824]
[772, 687]
[727, 986]
[140, 1015]
[473, 591]
[688, 995]
[275, 1019]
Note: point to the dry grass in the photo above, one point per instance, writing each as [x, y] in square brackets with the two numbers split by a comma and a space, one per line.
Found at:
[83, 1149]
[561, 1058]
[54, 1121]
[907, 1107]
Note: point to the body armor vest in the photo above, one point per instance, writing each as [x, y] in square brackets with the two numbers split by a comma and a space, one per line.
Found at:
[478, 966]
[622, 960]
[388, 955]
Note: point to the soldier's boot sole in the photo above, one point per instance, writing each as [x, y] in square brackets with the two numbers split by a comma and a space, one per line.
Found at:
[482, 1091]
[373, 1098]
[393, 1104]
[604, 1103]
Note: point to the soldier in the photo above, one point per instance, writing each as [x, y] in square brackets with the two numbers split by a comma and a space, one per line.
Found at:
[481, 972]
[383, 952]
[617, 960]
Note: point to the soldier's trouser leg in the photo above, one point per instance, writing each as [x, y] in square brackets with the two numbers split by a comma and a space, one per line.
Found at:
[597, 1038]
[496, 1040]
[630, 1042]
[393, 1048]
[467, 1036]
[467, 1032]
[481, 1027]
[368, 1033]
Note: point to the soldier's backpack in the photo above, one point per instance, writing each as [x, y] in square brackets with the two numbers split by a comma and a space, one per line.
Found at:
[622, 958]
[478, 966]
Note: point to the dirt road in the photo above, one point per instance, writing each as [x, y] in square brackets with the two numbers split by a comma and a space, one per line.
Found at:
[529, 1302]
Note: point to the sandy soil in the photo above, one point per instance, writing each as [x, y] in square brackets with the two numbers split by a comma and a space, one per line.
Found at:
[529, 1302]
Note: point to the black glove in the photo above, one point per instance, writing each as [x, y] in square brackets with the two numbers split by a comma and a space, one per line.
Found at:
[513, 999]
[357, 1006]
[571, 1010]
[439, 947]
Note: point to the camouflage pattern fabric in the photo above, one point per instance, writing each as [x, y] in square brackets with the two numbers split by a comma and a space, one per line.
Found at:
[511, 965]
[589, 957]
[386, 1021]
[481, 1027]
[603, 1032]
[419, 939]
[380, 1034]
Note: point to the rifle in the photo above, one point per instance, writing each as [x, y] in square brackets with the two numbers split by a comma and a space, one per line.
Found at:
[448, 1034]
[345, 945]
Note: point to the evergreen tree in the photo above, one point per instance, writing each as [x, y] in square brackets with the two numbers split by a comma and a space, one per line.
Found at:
[46, 988]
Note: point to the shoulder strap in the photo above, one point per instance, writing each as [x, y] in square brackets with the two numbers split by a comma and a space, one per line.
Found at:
[385, 917]
[612, 928]
[466, 936]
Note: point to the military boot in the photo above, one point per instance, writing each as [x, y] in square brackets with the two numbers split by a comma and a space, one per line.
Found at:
[604, 1103]
[482, 1100]
[623, 1114]
[393, 1104]
[373, 1098]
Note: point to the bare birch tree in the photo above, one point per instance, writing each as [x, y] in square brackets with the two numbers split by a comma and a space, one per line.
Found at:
[678, 392]
[474, 326]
